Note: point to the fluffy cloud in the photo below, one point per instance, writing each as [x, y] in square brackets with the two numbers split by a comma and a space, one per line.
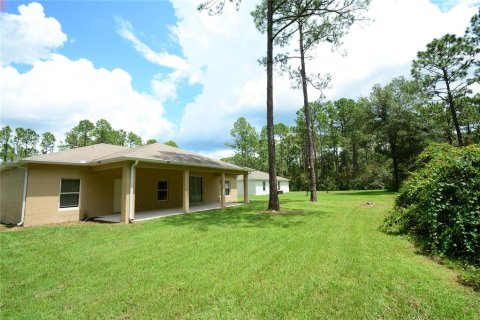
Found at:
[57, 92]
[385, 47]
[163, 86]
[220, 53]
[29, 36]
[228, 46]
[126, 31]
[60, 92]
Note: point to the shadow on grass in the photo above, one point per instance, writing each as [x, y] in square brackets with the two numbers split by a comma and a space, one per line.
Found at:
[363, 193]
[246, 216]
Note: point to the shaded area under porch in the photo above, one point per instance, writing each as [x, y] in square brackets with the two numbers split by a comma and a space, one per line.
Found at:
[161, 213]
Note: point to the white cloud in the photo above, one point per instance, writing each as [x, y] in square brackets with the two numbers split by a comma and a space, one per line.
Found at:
[234, 85]
[57, 92]
[126, 31]
[220, 53]
[61, 92]
[385, 47]
[227, 48]
[164, 86]
[29, 36]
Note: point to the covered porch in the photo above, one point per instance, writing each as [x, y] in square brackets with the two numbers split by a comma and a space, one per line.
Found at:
[161, 213]
[141, 190]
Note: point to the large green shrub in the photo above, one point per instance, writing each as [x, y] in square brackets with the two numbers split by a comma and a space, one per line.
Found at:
[439, 204]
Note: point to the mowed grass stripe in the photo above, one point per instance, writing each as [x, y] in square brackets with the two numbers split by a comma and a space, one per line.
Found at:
[313, 260]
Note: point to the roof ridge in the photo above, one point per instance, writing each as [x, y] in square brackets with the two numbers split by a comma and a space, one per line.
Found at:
[129, 151]
[142, 147]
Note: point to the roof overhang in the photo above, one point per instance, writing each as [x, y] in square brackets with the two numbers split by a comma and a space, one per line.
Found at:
[232, 170]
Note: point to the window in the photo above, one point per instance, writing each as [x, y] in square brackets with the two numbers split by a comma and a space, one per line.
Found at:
[69, 193]
[227, 188]
[162, 190]
[264, 185]
[278, 185]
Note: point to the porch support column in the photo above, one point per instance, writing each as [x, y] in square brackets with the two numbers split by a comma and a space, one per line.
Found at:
[245, 188]
[186, 191]
[125, 209]
[133, 180]
[222, 190]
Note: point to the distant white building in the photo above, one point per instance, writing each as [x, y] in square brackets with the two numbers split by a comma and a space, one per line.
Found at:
[258, 184]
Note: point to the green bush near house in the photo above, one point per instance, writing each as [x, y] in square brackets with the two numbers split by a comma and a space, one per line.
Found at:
[439, 205]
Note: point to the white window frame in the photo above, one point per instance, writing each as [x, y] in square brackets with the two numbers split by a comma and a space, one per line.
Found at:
[229, 187]
[166, 180]
[60, 208]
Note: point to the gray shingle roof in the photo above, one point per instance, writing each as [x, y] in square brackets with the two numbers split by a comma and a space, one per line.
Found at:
[260, 176]
[81, 155]
[105, 153]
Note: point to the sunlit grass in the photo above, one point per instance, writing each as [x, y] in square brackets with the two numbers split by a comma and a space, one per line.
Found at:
[322, 260]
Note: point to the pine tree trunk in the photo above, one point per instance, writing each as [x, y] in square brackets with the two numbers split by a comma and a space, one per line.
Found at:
[448, 129]
[393, 150]
[308, 121]
[273, 202]
[354, 160]
[451, 104]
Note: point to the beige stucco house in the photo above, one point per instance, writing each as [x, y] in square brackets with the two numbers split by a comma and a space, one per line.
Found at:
[103, 179]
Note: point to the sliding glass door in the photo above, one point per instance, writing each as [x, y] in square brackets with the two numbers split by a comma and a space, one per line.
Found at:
[196, 189]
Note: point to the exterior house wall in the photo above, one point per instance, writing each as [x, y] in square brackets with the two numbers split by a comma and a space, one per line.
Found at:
[210, 186]
[285, 186]
[233, 197]
[146, 188]
[99, 191]
[96, 191]
[11, 195]
[255, 187]
[259, 187]
[146, 185]
[43, 193]
[252, 187]
[234, 193]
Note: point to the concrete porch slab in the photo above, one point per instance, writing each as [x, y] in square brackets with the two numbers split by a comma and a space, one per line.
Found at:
[154, 214]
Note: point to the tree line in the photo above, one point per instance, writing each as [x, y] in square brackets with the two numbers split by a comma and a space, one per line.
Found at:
[369, 143]
[314, 22]
[372, 142]
[21, 143]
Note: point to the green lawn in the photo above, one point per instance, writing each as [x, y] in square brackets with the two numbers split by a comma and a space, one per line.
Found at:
[315, 261]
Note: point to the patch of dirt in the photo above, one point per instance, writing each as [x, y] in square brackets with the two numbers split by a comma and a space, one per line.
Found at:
[369, 205]
[13, 228]
[283, 212]
[8, 227]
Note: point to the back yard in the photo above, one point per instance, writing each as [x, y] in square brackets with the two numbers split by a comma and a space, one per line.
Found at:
[325, 260]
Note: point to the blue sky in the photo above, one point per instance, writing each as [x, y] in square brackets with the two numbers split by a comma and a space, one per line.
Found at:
[166, 71]
[91, 29]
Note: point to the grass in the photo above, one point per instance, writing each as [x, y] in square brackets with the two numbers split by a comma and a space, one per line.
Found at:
[313, 261]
